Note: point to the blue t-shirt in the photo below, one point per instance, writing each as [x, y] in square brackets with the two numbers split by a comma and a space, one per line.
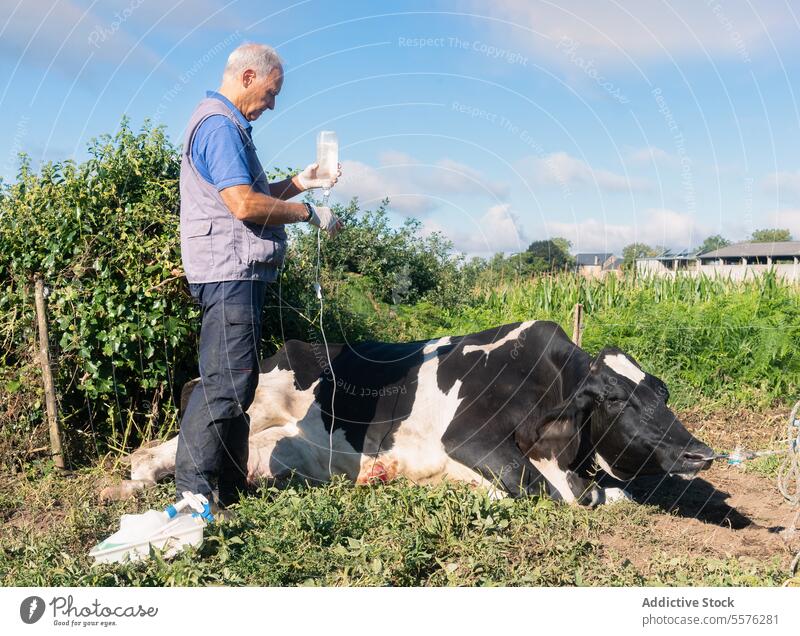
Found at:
[218, 149]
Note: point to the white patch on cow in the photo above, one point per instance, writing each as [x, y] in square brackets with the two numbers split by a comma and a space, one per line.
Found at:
[274, 452]
[289, 434]
[555, 448]
[277, 401]
[510, 336]
[151, 464]
[624, 367]
[607, 467]
[417, 449]
[610, 495]
[556, 475]
[314, 446]
[455, 471]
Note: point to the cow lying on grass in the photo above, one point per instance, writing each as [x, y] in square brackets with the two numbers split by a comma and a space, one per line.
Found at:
[519, 407]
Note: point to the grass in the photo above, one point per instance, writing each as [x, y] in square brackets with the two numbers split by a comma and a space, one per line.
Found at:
[716, 342]
[397, 534]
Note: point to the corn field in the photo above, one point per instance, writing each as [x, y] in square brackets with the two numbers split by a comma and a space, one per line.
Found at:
[717, 341]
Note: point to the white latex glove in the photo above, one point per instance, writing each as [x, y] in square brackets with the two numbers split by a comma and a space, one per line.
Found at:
[324, 219]
[308, 179]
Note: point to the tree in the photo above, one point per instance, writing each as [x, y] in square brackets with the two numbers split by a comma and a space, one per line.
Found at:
[712, 243]
[770, 235]
[562, 243]
[549, 255]
[636, 250]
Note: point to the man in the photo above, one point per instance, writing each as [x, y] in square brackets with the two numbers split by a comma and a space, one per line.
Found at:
[232, 243]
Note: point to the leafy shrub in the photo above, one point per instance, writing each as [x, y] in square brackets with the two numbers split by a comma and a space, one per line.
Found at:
[104, 236]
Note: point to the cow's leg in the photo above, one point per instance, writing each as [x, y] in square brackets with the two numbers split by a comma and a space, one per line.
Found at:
[503, 463]
[148, 465]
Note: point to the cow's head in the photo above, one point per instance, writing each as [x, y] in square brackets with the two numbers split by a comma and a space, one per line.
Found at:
[631, 429]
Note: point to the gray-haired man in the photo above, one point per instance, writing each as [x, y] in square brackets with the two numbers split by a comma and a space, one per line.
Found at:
[232, 243]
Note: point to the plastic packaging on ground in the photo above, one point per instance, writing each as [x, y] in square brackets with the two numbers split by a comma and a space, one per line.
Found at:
[170, 530]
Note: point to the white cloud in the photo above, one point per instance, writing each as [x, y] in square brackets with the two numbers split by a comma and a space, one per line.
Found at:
[562, 169]
[445, 176]
[655, 226]
[788, 218]
[458, 178]
[372, 185]
[66, 34]
[788, 181]
[608, 32]
[497, 230]
[412, 186]
[649, 155]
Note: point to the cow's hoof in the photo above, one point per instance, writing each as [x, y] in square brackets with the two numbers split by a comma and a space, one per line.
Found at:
[124, 490]
[584, 491]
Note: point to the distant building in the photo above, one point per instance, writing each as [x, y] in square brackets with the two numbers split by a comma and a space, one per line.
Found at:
[738, 261]
[779, 252]
[667, 262]
[597, 264]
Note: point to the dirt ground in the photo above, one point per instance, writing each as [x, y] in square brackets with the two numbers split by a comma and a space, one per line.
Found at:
[723, 512]
[728, 428]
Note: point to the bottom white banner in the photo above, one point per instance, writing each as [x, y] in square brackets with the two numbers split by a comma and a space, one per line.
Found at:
[385, 612]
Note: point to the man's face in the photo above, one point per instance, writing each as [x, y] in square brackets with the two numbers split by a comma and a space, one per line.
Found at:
[260, 93]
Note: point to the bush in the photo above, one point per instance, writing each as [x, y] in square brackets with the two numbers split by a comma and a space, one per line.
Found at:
[104, 236]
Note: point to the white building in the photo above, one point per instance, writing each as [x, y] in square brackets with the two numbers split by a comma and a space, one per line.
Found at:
[738, 261]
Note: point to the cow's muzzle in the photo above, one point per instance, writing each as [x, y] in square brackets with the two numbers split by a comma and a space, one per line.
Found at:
[693, 461]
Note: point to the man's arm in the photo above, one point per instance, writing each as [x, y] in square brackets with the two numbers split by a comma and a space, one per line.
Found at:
[302, 181]
[248, 205]
[286, 189]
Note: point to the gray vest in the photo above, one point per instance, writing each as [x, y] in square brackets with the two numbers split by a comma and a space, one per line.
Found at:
[215, 245]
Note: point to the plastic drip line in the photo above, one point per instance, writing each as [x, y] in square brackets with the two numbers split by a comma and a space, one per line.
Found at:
[318, 290]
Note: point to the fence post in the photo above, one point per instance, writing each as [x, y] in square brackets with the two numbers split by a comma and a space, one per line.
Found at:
[47, 376]
[577, 324]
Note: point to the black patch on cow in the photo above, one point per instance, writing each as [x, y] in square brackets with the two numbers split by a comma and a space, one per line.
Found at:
[307, 360]
[504, 396]
[455, 365]
[376, 384]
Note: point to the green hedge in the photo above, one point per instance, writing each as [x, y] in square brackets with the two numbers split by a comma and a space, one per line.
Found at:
[103, 234]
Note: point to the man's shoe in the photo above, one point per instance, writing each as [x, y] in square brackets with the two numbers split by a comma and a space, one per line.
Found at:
[222, 514]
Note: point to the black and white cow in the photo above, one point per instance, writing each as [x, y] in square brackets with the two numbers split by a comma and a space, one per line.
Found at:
[519, 407]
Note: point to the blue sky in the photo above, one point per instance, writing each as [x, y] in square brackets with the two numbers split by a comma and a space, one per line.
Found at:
[496, 123]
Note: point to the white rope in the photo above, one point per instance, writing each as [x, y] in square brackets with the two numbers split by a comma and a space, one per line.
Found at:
[318, 289]
[789, 481]
[789, 470]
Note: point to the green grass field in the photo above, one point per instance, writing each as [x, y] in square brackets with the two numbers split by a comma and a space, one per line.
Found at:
[722, 347]
[397, 534]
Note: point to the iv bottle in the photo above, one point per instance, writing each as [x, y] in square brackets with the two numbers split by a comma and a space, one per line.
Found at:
[327, 154]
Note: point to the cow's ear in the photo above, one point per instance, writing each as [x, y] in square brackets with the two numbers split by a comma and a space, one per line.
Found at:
[575, 406]
[569, 409]
[658, 386]
[573, 409]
